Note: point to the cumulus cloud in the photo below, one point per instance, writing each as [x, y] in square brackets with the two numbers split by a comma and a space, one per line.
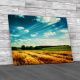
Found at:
[34, 35]
[15, 35]
[48, 19]
[22, 16]
[42, 42]
[49, 33]
[64, 30]
[26, 30]
[20, 28]
[23, 29]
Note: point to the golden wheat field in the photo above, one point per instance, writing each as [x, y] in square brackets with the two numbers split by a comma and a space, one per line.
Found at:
[22, 57]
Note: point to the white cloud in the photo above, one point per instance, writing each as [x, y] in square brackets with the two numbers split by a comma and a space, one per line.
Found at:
[41, 42]
[48, 19]
[49, 33]
[22, 16]
[34, 35]
[15, 35]
[64, 30]
[20, 28]
[26, 30]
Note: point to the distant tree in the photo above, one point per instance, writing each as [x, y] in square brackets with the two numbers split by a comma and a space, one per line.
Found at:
[31, 48]
[14, 48]
[23, 47]
[38, 47]
[27, 47]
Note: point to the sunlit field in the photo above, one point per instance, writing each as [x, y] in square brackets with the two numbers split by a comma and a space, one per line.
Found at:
[22, 57]
[39, 39]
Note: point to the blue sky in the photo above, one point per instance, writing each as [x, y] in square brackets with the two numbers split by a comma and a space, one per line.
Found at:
[38, 30]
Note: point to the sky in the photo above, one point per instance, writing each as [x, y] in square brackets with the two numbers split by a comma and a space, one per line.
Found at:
[38, 30]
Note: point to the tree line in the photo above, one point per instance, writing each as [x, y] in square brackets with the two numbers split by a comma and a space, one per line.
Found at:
[23, 47]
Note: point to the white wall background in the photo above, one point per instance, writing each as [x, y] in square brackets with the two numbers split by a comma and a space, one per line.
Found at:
[60, 8]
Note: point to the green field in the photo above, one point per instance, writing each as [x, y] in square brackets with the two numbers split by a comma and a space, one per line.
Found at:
[54, 48]
[58, 48]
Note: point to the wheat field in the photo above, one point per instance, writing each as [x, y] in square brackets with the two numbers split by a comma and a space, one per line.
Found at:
[22, 57]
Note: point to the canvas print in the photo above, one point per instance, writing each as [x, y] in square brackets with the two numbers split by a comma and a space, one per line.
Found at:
[39, 40]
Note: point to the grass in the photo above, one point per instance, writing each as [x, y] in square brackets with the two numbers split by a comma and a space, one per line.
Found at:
[58, 48]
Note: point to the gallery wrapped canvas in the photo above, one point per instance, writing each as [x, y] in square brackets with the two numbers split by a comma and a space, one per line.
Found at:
[39, 39]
